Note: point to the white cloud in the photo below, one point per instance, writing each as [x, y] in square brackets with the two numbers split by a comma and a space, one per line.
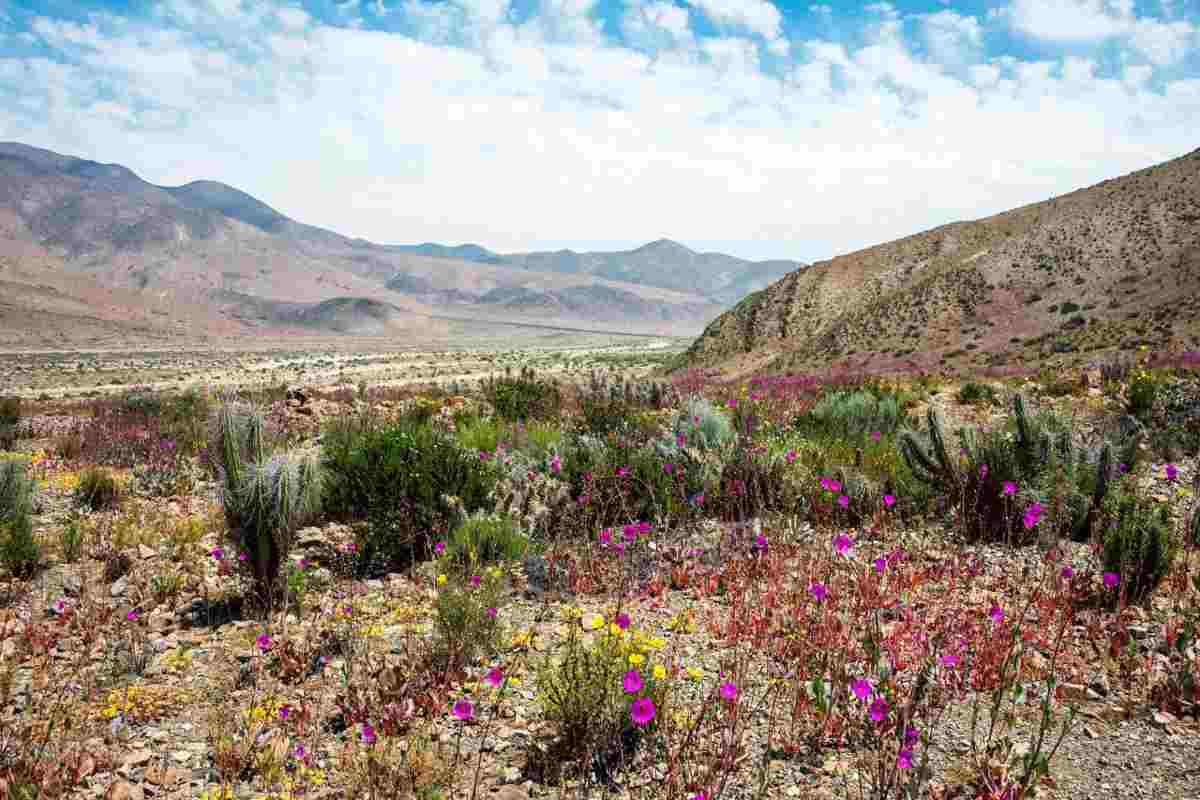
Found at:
[1093, 21]
[550, 133]
[952, 38]
[755, 16]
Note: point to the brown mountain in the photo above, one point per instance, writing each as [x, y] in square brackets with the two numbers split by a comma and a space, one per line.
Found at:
[1116, 265]
[90, 246]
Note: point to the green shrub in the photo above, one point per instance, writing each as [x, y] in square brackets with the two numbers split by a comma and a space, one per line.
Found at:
[98, 489]
[480, 540]
[1142, 392]
[580, 689]
[19, 551]
[10, 411]
[702, 426]
[478, 434]
[973, 393]
[522, 396]
[465, 620]
[266, 498]
[71, 538]
[1137, 543]
[853, 414]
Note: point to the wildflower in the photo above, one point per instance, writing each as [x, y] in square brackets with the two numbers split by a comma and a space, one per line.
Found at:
[476, 580]
[876, 436]
[760, 542]
[1121, 468]
[1067, 572]
[495, 676]
[843, 501]
[491, 612]
[631, 533]
[1032, 515]
[819, 591]
[843, 544]
[983, 472]
[1009, 490]
[834, 486]
[729, 691]
[632, 682]
[996, 614]
[733, 402]
[622, 472]
[606, 537]
[300, 752]
[622, 620]
[596, 622]
[911, 735]
[660, 672]
[132, 615]
[790, 457]
[285, 712]
[439, 548]
[463, 710]
[636, 659]
[264, 642]
[697, 796]
[1111, 580]
[241, 556]
[368, 733]
[217, 553]
[905, 759]
[698, 499]
[889, 500]
[949, 661]
[60, 605]
[1172, 472]
[862, 689]
[880, 564]
[642, 711]
[556, 465]
[878, 710]
[441, 580]
[695, 673]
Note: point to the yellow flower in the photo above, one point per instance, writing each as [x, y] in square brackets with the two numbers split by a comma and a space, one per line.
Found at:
[660, 671]
[441, 580]
[596, 623]
[695, 673]
[657, 643]
[636, 658]
[615, 630]
[497, 572]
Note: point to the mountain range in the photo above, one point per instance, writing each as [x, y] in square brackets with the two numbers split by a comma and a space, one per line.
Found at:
[1115, 266]
[91, 246]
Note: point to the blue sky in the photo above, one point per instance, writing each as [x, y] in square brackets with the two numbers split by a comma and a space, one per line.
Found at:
[766, 130]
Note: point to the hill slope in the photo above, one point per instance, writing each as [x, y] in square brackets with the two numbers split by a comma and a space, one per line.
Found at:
[1112, 265]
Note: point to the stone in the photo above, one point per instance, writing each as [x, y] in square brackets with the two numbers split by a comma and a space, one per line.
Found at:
[1073, 691]
[124, 790]
[146, 552]
[119, 586]
[136, 758]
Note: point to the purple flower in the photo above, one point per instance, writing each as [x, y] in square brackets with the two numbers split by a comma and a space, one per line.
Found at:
[983, 472]
[368, 733]
[439, 548]
[876, 436]
[463, 710]
[300, 752]
[556, 465]
[622, 620]
[819, 591]
[843, 501]
[495, 677]
[760, 543]
[132, 615]
[790, 457]
[1172, 472]
[905, 759]
[264, 642]
[834, 486]
[217, 553]
[476, 580]
[285, 712]
[241, 556]
[949, 661]
[605, 537]
[668, 468]
[733, 402]
[622, 472]
[1111, 580]
[911, 735]
[642, 711]
[880, 564]
[862, 689]
[996, 614]
[889, 500]
[491, 612]
[843, 544]
[632, 682]
[729, 691]
[1010, 489]
[878, 709]
[1067, 572]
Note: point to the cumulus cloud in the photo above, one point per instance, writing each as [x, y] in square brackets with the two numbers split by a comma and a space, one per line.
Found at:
[1160, 41]
[460, 123]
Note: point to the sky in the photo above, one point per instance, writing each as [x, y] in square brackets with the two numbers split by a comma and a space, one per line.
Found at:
[793, 130]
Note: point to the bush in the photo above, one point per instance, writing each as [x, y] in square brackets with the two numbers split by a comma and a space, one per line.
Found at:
[973, 393]
[98, 489]
[10, 415]
[478, 434]
[1137, 543]
[465, 623]
[265, 498]
[523, 396]
[407, 480]
[482, 540]
[1142, 392]
[19, 551]
[701, 426]
[581, 691]
[853, 414]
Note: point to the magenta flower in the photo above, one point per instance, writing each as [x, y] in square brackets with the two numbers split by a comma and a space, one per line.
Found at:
[911, 735]
[1009, 490]
[996, 614]
[622, 472]
[632, 682]
[368, 733]
[439, 548]
[876, 436]
[241, 556]
[668, 468]
[132, 615]
[819, 591]
[729, 691]
[760, 542]
[843, 544]
[642, 711]
[605, 537]
[880, 564]
[285, 712]
[1067, 572]
[889, 500]
[949, 661]
[862, 689]
[733, 402]
[1032, 515]
[622, 620]
[463, 710]
[300, 752]
[905, 759]
[264, 642]
[1111, 580]
[476, 580]
[556, 465]
[495, 676]
[878, 709]
[834, 486]
[491, 612]
[843, 501]
[217, 553]
[60, 605]
[983, 472]
[790, 456]
[1172, 472]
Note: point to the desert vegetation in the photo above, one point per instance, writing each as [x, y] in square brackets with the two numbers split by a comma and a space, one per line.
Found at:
[598, 581]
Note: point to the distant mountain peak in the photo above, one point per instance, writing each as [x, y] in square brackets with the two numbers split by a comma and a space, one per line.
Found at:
[664, 245]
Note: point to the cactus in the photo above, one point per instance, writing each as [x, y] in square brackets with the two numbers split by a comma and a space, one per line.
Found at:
[934, 467]
[1195, 528]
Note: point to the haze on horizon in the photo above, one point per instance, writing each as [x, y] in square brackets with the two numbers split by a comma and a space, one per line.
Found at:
[741, 126]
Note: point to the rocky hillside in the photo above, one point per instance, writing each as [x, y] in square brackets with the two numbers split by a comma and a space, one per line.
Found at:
[1116, 265]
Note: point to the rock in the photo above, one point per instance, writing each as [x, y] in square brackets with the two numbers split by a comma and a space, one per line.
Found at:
[124, 790]
[1073, 691]
[166, 777]
[146, 552]
[511, 793]
[1164, 718]
[119, 586]
[136, 758]
[71, 584]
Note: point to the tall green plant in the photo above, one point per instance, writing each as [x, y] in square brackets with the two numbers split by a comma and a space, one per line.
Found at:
[19, 551]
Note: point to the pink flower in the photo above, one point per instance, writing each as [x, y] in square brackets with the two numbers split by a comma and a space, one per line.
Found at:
[729, 691]
[642, 711]
[949, 661]
[60, 605]
[876, 436]
[733, 402]
[1067, 572]
[284, 712]
[622, 472]
[819, 591]
[983, 472]
[1172, 472]
[878, 709]
[844, 501]
[790, 457]
[1009, 489]
[439, 548]
[905, 759]
[495, 677]
[1111, 580]
[911, 735]
[760, 542]
[300, 752]
[463, 710]
[605, 537]
[632, 682]
[834, 486]
[996, 614]
[862, 689]
[217, 553]
[668, 468]
[889, 500]
[264, 642]
[880, 564]
[132, 615]
[622, 620]
[556, 465]
[368, 733]
[476, 580]
[241, 556]
[491, 612]
[843, 544]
